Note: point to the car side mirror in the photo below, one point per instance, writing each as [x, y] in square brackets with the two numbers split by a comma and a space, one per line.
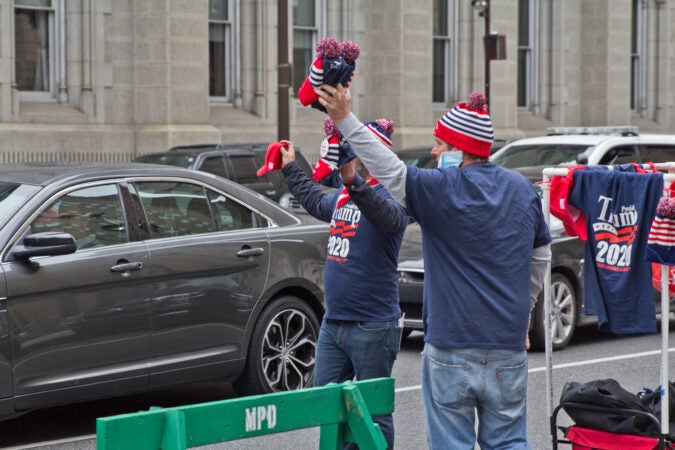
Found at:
[49, 243]
[582, 159]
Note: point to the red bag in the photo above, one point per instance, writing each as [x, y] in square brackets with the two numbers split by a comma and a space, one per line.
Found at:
[589, 439]
[656, 278]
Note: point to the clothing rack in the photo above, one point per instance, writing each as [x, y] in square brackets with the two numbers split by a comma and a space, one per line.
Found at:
[548, 174]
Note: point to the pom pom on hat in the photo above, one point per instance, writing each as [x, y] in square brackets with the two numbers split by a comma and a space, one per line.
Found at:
[334, 64]
[661, 240]
[349, 51]
[272, 159]
[383, 129]
[330, 128]
[467, 126]
[477, 102]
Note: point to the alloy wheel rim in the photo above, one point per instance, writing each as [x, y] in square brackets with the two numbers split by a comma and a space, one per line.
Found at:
[288, 351]
[562, 312]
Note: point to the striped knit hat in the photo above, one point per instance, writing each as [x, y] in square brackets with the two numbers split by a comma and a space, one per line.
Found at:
[334, 64]
[467, 126]
[661, 240]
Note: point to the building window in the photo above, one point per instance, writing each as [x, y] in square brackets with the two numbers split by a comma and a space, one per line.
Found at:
[637, 54]
[223, 56]
[444, 77]
[524, 53]
[308, 19]
[39, 39]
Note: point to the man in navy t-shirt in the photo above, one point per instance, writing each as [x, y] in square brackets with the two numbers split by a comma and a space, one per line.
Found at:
[360, 333]
[486, 249]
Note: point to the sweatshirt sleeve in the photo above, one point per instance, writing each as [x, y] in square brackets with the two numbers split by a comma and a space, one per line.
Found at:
[382, 163]
[541, 256]
[383, 212]
[307, 192]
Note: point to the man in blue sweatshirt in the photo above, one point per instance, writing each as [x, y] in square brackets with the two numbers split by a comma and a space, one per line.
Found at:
[486, 249]
[361, 331]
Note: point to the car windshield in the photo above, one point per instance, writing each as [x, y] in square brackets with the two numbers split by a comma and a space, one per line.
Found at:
[176, 159]
[539, 155]
[12, 197]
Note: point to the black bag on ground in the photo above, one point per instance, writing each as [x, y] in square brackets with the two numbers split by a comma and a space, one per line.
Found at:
[607, 394]
[652, 400]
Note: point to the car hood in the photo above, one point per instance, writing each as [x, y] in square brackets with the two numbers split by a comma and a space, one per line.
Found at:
[413, 265]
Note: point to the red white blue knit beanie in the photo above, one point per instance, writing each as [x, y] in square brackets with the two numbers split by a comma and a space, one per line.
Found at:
[467, 126]
[383, 129]
[661, 240]
[335, 151]
[334, 64]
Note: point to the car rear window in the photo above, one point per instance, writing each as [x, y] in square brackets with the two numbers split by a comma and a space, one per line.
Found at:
[245, 169]
[303, 163]
[538, 155]
[658, 153]
[180, 160]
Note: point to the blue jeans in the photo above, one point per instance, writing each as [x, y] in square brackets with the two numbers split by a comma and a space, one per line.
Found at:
[460, 384]
[361, 350]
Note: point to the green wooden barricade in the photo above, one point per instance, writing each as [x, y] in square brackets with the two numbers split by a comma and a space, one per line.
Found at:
[343, 411]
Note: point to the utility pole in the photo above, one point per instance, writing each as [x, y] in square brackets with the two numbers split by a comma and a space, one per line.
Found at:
[284, 73]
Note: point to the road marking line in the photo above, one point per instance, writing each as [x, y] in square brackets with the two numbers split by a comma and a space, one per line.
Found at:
[574, 364]
[601, 360]
[49, 444]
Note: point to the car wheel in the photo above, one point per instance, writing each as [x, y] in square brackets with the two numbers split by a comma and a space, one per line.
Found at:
[563, 315]
[281, 354]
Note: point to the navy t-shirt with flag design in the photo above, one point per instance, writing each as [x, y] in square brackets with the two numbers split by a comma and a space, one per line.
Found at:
[619, 209]
[361, 261]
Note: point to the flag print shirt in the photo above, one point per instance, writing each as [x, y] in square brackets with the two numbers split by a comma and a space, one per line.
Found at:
[619, 209]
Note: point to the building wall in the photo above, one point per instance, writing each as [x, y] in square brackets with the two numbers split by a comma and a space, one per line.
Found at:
[137, 74]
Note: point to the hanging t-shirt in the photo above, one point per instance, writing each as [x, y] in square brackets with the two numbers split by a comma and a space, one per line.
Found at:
[619, 209]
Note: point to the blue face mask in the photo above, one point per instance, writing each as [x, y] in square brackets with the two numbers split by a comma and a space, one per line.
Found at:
[452, 158]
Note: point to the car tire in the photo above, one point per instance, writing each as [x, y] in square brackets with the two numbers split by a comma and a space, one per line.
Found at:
[281, 354]
[563, 315]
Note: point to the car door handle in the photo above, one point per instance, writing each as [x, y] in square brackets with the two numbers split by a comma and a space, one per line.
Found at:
[245, 253]
[127, 267]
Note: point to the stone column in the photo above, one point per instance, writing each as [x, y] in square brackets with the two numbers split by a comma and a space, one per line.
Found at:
[171, 67]
[605, 62]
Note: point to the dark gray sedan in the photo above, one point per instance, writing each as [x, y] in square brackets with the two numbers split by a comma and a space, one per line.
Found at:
[123, 278]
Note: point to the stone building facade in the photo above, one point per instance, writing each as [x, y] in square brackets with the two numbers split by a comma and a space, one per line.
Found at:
[111, 79]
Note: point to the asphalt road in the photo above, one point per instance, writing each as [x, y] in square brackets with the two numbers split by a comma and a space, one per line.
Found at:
[634, 361]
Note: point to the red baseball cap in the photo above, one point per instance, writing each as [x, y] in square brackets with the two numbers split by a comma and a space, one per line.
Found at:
[272, 159]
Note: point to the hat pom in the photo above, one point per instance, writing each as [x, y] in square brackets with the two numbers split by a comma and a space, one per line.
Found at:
[386, 124]
[666, 207]
[327, 48]
[331, 128]
[349, 51]
[477, 101]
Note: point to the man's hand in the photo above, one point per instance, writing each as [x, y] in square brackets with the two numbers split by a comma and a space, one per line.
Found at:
[287, 152]
[527, 335]
[337, 101]
[347, 170]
